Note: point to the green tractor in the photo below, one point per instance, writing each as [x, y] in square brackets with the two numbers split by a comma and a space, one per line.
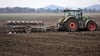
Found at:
[74, 20]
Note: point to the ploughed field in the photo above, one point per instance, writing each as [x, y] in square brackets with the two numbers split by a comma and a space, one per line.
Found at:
[83, 43]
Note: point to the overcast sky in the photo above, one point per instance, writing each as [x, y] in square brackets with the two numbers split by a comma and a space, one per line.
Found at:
[43, 3]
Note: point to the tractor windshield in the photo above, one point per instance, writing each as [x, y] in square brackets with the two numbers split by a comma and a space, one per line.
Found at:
[74, 13]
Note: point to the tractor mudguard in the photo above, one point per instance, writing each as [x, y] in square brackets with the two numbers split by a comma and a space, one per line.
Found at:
[60, 20]
[63, 20]
[86, 22]
[67, 18]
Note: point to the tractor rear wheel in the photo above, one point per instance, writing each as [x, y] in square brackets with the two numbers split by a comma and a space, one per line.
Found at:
[91, 26]
[71, 25]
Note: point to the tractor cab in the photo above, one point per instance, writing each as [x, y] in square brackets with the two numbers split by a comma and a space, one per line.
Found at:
[74, 13]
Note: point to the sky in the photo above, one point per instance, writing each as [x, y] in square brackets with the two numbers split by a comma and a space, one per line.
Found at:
[43, 3]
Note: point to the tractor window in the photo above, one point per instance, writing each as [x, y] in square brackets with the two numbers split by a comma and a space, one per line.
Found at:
[67, 14]
[72, 13]
[76, 14]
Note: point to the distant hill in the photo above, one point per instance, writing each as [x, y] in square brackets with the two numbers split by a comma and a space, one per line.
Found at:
[49, 8]
[53, 7]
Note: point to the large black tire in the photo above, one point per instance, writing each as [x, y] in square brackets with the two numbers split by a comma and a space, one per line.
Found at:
[91, 26]
[71, 25]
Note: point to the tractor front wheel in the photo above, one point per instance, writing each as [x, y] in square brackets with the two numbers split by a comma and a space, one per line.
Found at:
[91, 26]
[71, 25]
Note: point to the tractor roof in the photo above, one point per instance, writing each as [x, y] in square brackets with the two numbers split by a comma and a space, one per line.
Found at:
[72, 10]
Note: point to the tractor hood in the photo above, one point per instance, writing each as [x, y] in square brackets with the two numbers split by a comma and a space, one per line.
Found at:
[86, 18]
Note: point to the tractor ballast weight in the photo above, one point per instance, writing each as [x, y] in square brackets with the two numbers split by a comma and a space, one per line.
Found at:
[74, 20]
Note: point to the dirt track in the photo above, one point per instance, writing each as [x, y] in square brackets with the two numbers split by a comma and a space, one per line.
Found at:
[50, 43]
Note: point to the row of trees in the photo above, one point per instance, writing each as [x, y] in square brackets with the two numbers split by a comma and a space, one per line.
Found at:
[39, 10]
[91, 10]
[27, 10]
[16, 10]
